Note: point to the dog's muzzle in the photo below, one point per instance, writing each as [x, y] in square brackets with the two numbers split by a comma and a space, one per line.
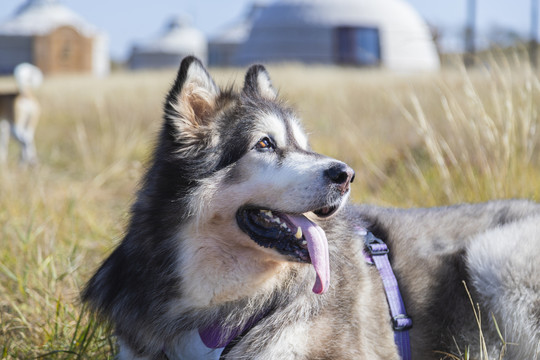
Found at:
[294, 236]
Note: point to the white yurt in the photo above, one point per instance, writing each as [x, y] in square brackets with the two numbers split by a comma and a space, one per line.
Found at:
[54, 38]
[178, 40]
[386, 33]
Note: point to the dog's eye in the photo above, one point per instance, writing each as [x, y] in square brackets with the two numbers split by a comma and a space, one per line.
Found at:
[265, 144]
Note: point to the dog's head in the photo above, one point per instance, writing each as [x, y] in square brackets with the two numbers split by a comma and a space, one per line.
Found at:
[253, 190]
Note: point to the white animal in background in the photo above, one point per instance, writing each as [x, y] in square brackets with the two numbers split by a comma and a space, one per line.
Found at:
[19, 113]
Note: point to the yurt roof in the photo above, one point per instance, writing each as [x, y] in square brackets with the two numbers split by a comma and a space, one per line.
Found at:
[39, 17]
[179, 37]
[394, 14]
[238, 32]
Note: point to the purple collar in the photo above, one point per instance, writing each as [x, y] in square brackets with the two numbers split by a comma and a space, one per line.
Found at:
[212, 336]
[376, 253]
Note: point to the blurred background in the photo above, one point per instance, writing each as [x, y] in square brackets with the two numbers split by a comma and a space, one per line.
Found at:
[96, 36]
[432, 102]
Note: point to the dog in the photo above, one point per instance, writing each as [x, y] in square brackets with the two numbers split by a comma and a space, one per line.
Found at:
[242, 245]
[19, 113]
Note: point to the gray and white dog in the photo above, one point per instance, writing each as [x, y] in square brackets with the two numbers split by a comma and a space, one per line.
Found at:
[241, 246]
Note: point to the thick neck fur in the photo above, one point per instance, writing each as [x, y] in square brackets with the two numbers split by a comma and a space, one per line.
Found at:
[156, 315]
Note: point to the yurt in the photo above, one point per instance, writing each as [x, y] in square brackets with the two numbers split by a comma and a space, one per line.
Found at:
[386, 33]
[54, 38]
[178, 40]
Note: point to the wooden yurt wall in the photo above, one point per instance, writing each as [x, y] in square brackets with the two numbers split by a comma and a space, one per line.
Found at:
[64, 50]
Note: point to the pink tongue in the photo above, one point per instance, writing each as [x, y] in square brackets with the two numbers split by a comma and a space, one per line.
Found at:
[318, 250]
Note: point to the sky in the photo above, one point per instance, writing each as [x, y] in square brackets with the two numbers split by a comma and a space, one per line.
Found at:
[130, 21]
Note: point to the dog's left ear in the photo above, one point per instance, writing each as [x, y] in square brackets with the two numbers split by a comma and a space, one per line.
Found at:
[258, 84]
[191, 102]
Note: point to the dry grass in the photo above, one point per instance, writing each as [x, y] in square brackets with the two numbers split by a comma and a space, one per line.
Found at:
[414, 141]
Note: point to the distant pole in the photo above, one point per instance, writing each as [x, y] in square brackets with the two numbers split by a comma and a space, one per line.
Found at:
[533, 44]
[470, 48]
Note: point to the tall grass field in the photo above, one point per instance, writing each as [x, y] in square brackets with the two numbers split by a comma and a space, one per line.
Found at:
[413, 139]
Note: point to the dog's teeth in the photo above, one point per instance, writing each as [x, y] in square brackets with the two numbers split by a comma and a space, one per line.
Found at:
[298, 234]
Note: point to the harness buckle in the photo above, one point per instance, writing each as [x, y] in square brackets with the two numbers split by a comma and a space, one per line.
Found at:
[401, 322]
[375, 245]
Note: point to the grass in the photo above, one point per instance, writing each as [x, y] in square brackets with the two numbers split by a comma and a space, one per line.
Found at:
[414, 140]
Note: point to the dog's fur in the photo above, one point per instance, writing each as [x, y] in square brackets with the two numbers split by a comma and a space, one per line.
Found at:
[184, 263]
[19, 114]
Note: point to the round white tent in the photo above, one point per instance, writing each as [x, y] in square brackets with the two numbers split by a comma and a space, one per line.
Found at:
[179, 40]
[53, 37]
[389, 33]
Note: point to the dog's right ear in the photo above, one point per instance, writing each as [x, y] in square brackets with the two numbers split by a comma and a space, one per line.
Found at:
[258, 84]
[191, 102]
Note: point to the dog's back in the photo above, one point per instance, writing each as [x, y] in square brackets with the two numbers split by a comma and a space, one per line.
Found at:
[466, 270]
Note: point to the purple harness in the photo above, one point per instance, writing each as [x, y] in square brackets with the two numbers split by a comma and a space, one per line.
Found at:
[375, 253]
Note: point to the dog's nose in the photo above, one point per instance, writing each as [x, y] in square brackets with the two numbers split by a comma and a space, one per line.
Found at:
[341, 175]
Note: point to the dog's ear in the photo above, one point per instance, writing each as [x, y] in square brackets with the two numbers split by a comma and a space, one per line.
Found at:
[191, 101]
[258, 83]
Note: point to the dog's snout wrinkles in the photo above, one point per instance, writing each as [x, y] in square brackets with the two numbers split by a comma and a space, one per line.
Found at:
[340, 174]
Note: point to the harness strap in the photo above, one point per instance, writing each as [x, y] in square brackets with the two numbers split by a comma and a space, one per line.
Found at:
[376, 253]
